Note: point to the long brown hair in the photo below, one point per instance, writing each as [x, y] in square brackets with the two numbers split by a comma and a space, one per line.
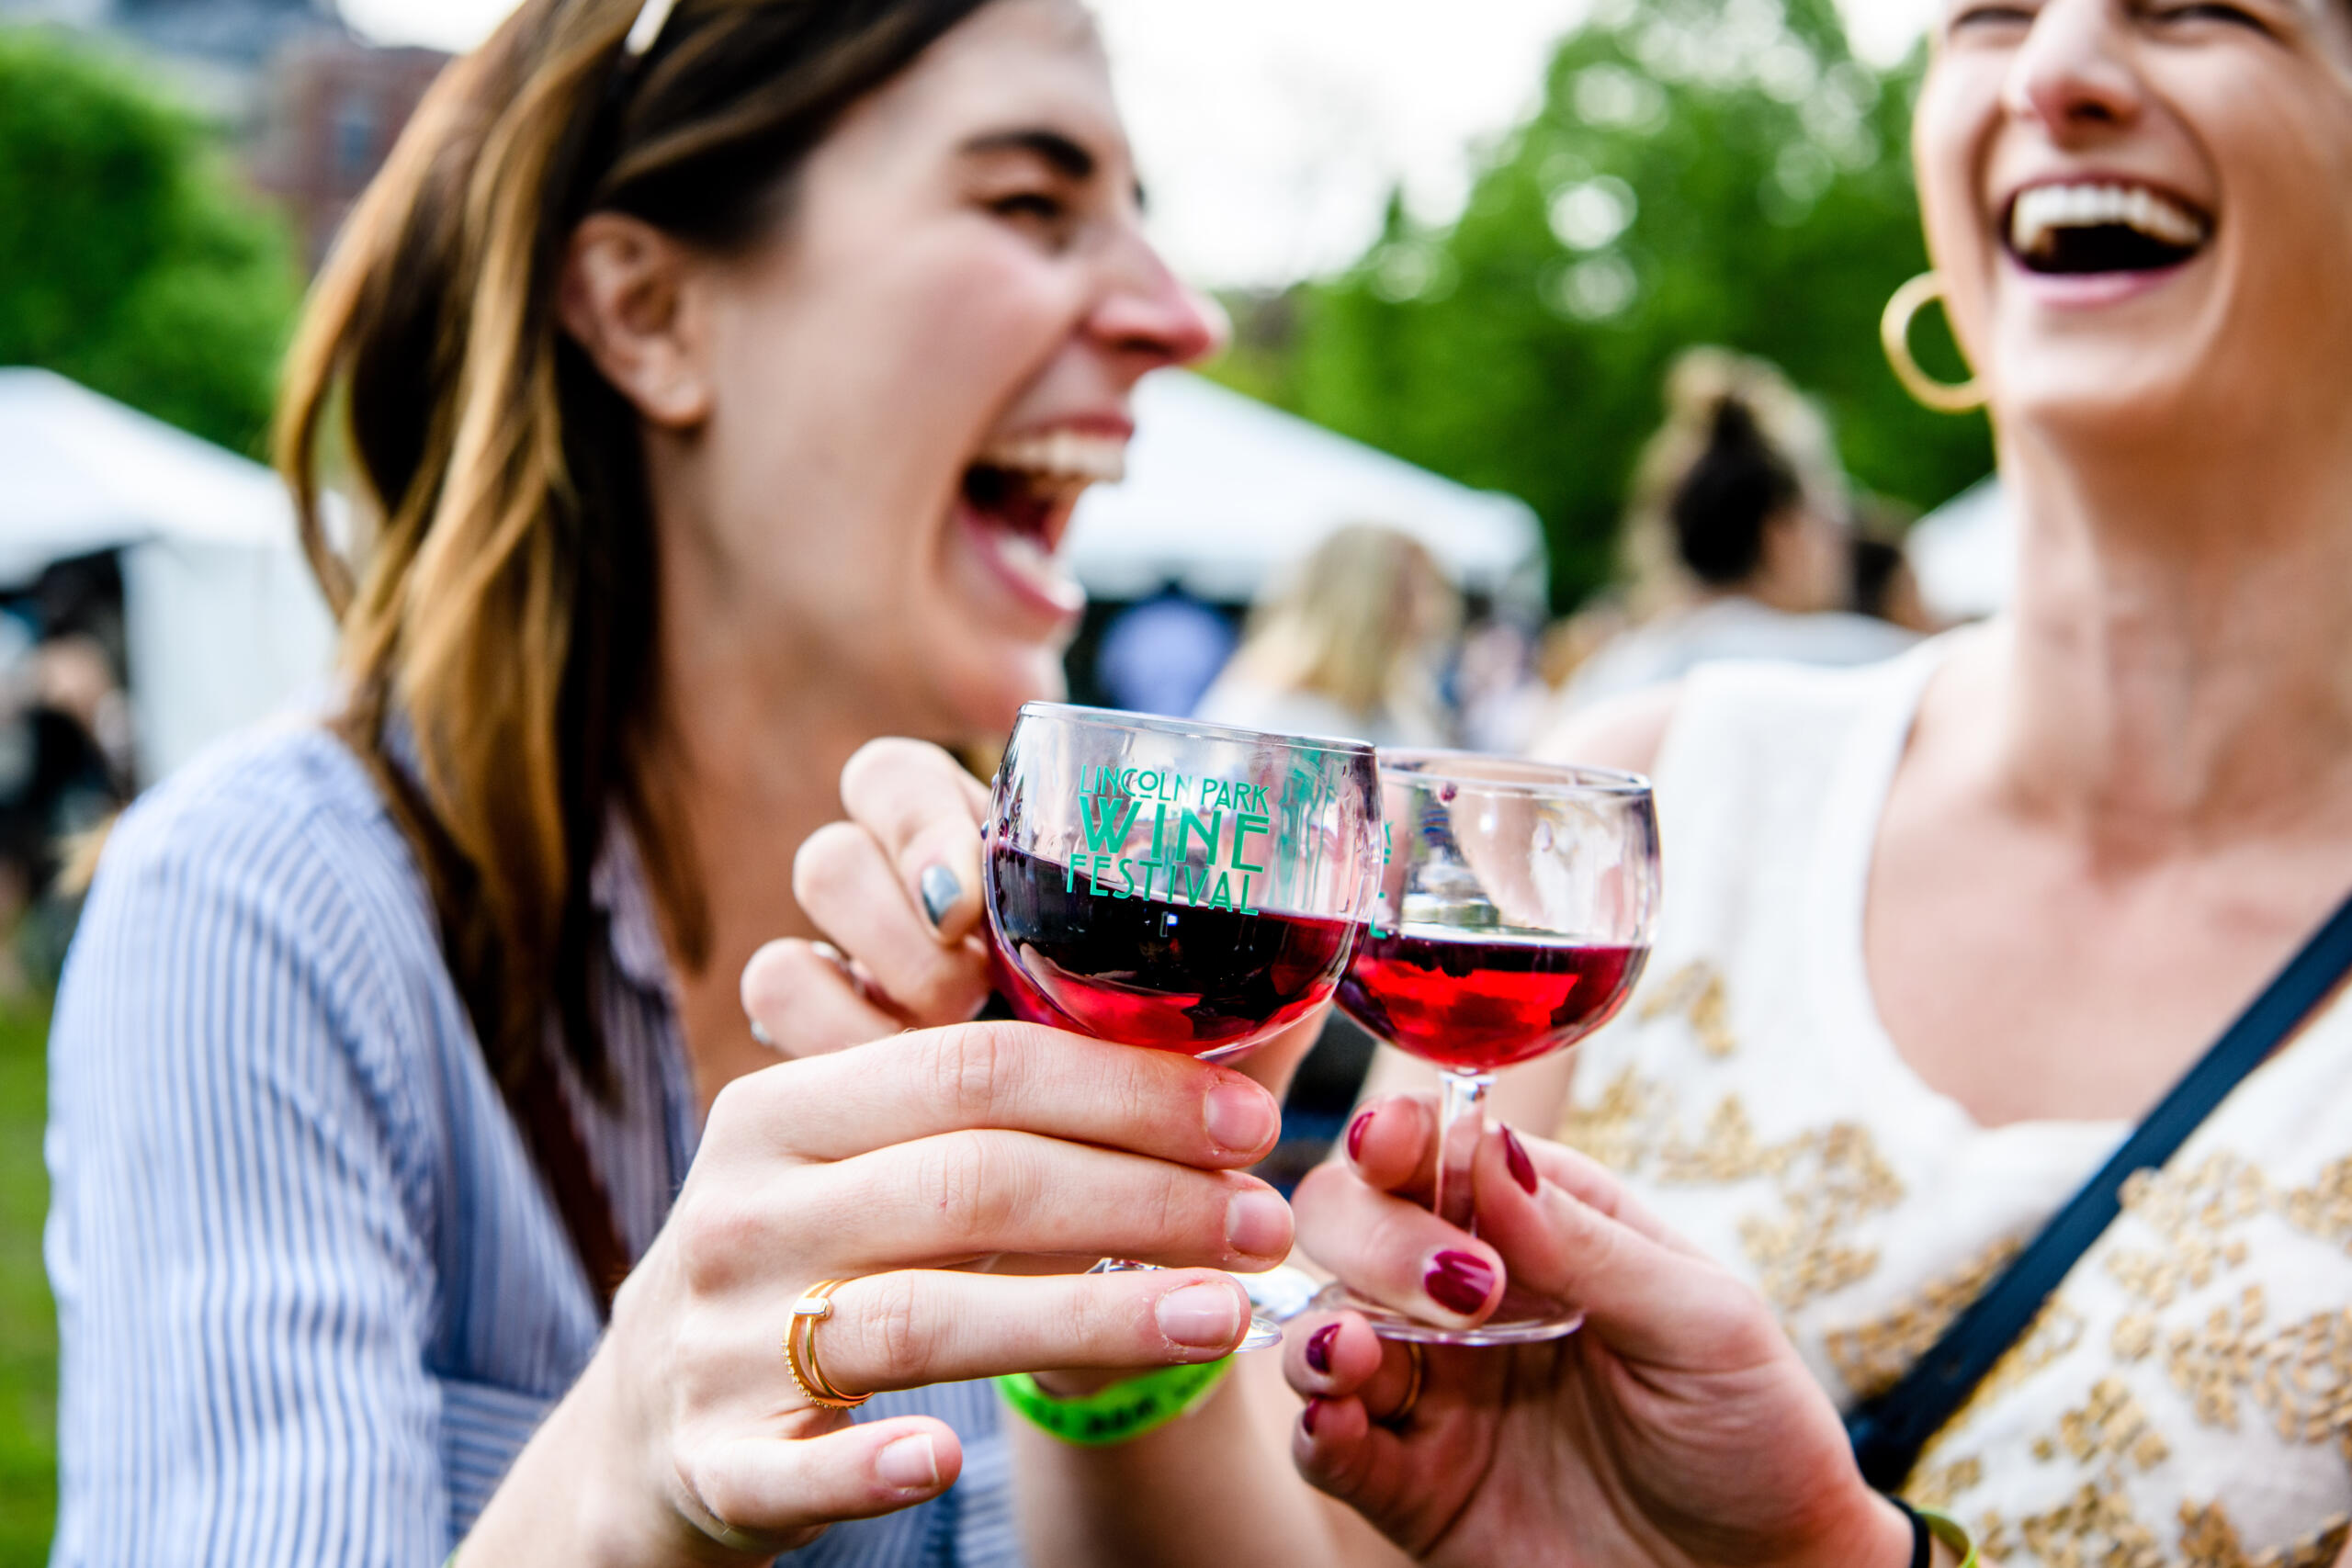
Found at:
[498, 598]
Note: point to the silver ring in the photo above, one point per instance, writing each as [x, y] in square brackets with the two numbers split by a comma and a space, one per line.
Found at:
[759, 1032]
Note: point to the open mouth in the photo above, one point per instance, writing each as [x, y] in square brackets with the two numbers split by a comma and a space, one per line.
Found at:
[2072, 230]
[1021, 493]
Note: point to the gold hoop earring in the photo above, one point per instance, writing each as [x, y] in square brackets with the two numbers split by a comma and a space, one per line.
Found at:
[1894, 335]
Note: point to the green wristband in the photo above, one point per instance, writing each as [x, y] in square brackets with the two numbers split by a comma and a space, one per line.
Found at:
[1121, 1413]
[1953, 1533]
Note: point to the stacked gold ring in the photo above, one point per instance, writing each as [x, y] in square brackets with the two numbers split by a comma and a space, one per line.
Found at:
[1417, 1368]
[800, 1349]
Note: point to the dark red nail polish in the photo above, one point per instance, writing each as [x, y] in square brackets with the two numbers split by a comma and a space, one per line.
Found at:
[1356, 1130]
[1318, 1347]
[1307, 1416]
[1459, 1281]
[1522, 1169]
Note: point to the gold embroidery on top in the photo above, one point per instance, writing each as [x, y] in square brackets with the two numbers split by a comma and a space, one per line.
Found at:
[1617, 1128]
[2096, 1528]
[2306, 1382]
[1695, 990]
[2324, 1208]
[2133, 1336]
[2192, 1210]
[1828, 1181]
[1938, 1487]
[2302, 1375]
[1871, 1357]
[2208, 1539]
[2210, 1365]
[2112, 1425]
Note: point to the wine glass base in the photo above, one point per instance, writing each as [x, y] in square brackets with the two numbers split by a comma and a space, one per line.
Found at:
[1262, 1336]
[1520, 1319]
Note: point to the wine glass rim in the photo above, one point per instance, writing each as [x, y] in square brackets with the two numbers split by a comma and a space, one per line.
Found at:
[1476, 770]
[1193, 729]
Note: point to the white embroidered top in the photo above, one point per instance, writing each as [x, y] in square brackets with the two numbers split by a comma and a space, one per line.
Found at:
[2186, 1395]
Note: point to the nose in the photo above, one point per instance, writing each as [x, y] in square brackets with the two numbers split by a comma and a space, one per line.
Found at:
[1149, 316]
[2071, 75]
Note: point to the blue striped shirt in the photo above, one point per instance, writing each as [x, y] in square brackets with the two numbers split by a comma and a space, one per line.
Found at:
[311, 1293]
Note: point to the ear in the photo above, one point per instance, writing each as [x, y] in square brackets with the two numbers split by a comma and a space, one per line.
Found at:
[626, 297]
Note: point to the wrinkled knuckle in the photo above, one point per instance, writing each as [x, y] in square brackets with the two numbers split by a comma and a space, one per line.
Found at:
[970, 1065]
[963, 1183]
[896, 1329]
[715, 1235]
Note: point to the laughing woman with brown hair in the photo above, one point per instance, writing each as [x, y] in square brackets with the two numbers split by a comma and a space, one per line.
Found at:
[716, 384]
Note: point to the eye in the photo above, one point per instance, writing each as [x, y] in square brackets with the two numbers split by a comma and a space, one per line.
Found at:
[2209, 11]
[1035, 207]
[1990, 16]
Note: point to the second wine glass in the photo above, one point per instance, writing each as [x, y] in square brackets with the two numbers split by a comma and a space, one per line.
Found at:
[1513, 919]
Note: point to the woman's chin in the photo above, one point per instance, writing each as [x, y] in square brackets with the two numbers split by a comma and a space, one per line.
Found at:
[986, 689]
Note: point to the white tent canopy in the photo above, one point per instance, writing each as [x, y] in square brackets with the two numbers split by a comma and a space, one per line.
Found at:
[1965, 554]
[1222, 492]
[224, 622]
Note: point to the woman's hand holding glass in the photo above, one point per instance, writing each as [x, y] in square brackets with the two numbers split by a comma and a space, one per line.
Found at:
[1679, 1427]
[906, 1166]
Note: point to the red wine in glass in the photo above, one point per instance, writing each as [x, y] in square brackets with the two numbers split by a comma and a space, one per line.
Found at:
[1150, 971]
[1512, 918]
[1472, 1002]
[1172, 884]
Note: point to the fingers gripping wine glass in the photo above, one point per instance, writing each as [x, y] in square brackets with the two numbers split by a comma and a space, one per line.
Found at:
[1173, 885]
[1513, 918]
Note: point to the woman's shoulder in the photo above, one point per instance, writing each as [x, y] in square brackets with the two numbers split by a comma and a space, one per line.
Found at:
[283, 829]
[257, 793]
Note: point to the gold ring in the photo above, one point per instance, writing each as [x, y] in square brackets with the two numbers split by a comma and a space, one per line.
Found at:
[800, 1349]
[1418, 1363]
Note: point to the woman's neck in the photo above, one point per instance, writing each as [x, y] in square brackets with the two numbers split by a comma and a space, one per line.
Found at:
[2180, 675]
[747, 765]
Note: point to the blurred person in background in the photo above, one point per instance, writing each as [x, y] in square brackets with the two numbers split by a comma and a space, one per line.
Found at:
[1351, 643]
[1887, 588]
[1742, 482]
[718, 383]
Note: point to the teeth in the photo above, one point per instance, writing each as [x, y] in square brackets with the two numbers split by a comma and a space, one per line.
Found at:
[1065, 457]
[2043, 209]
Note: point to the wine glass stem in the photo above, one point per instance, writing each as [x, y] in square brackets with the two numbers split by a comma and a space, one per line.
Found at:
[1462, 1123]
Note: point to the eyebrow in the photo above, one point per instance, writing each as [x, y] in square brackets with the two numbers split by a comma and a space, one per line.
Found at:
[1066, 156]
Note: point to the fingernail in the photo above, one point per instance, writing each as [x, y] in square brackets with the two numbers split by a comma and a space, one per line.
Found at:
[1522, 1169]
[1241, 1117]
[907, 1465]
[1459, 1281]
[1356, 1130]
[1202, 1316]
[1256, 1224]
[1318, 1347]
[940, 891]
[1306, 1417]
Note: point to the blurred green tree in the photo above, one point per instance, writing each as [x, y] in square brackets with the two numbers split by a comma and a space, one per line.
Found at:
[1701, 171]
[131, 258]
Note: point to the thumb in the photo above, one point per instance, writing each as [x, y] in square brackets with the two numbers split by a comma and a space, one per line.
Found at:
[1648, 1301]
[773, 1494]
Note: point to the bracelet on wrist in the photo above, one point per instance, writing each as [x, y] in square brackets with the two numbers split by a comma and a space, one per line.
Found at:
[1119, 1413]
[1927, 1526]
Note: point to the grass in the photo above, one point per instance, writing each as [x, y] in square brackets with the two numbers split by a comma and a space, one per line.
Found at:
[28, 1321]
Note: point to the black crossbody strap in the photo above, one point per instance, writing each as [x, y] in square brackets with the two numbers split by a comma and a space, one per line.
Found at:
[1889, 1432]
